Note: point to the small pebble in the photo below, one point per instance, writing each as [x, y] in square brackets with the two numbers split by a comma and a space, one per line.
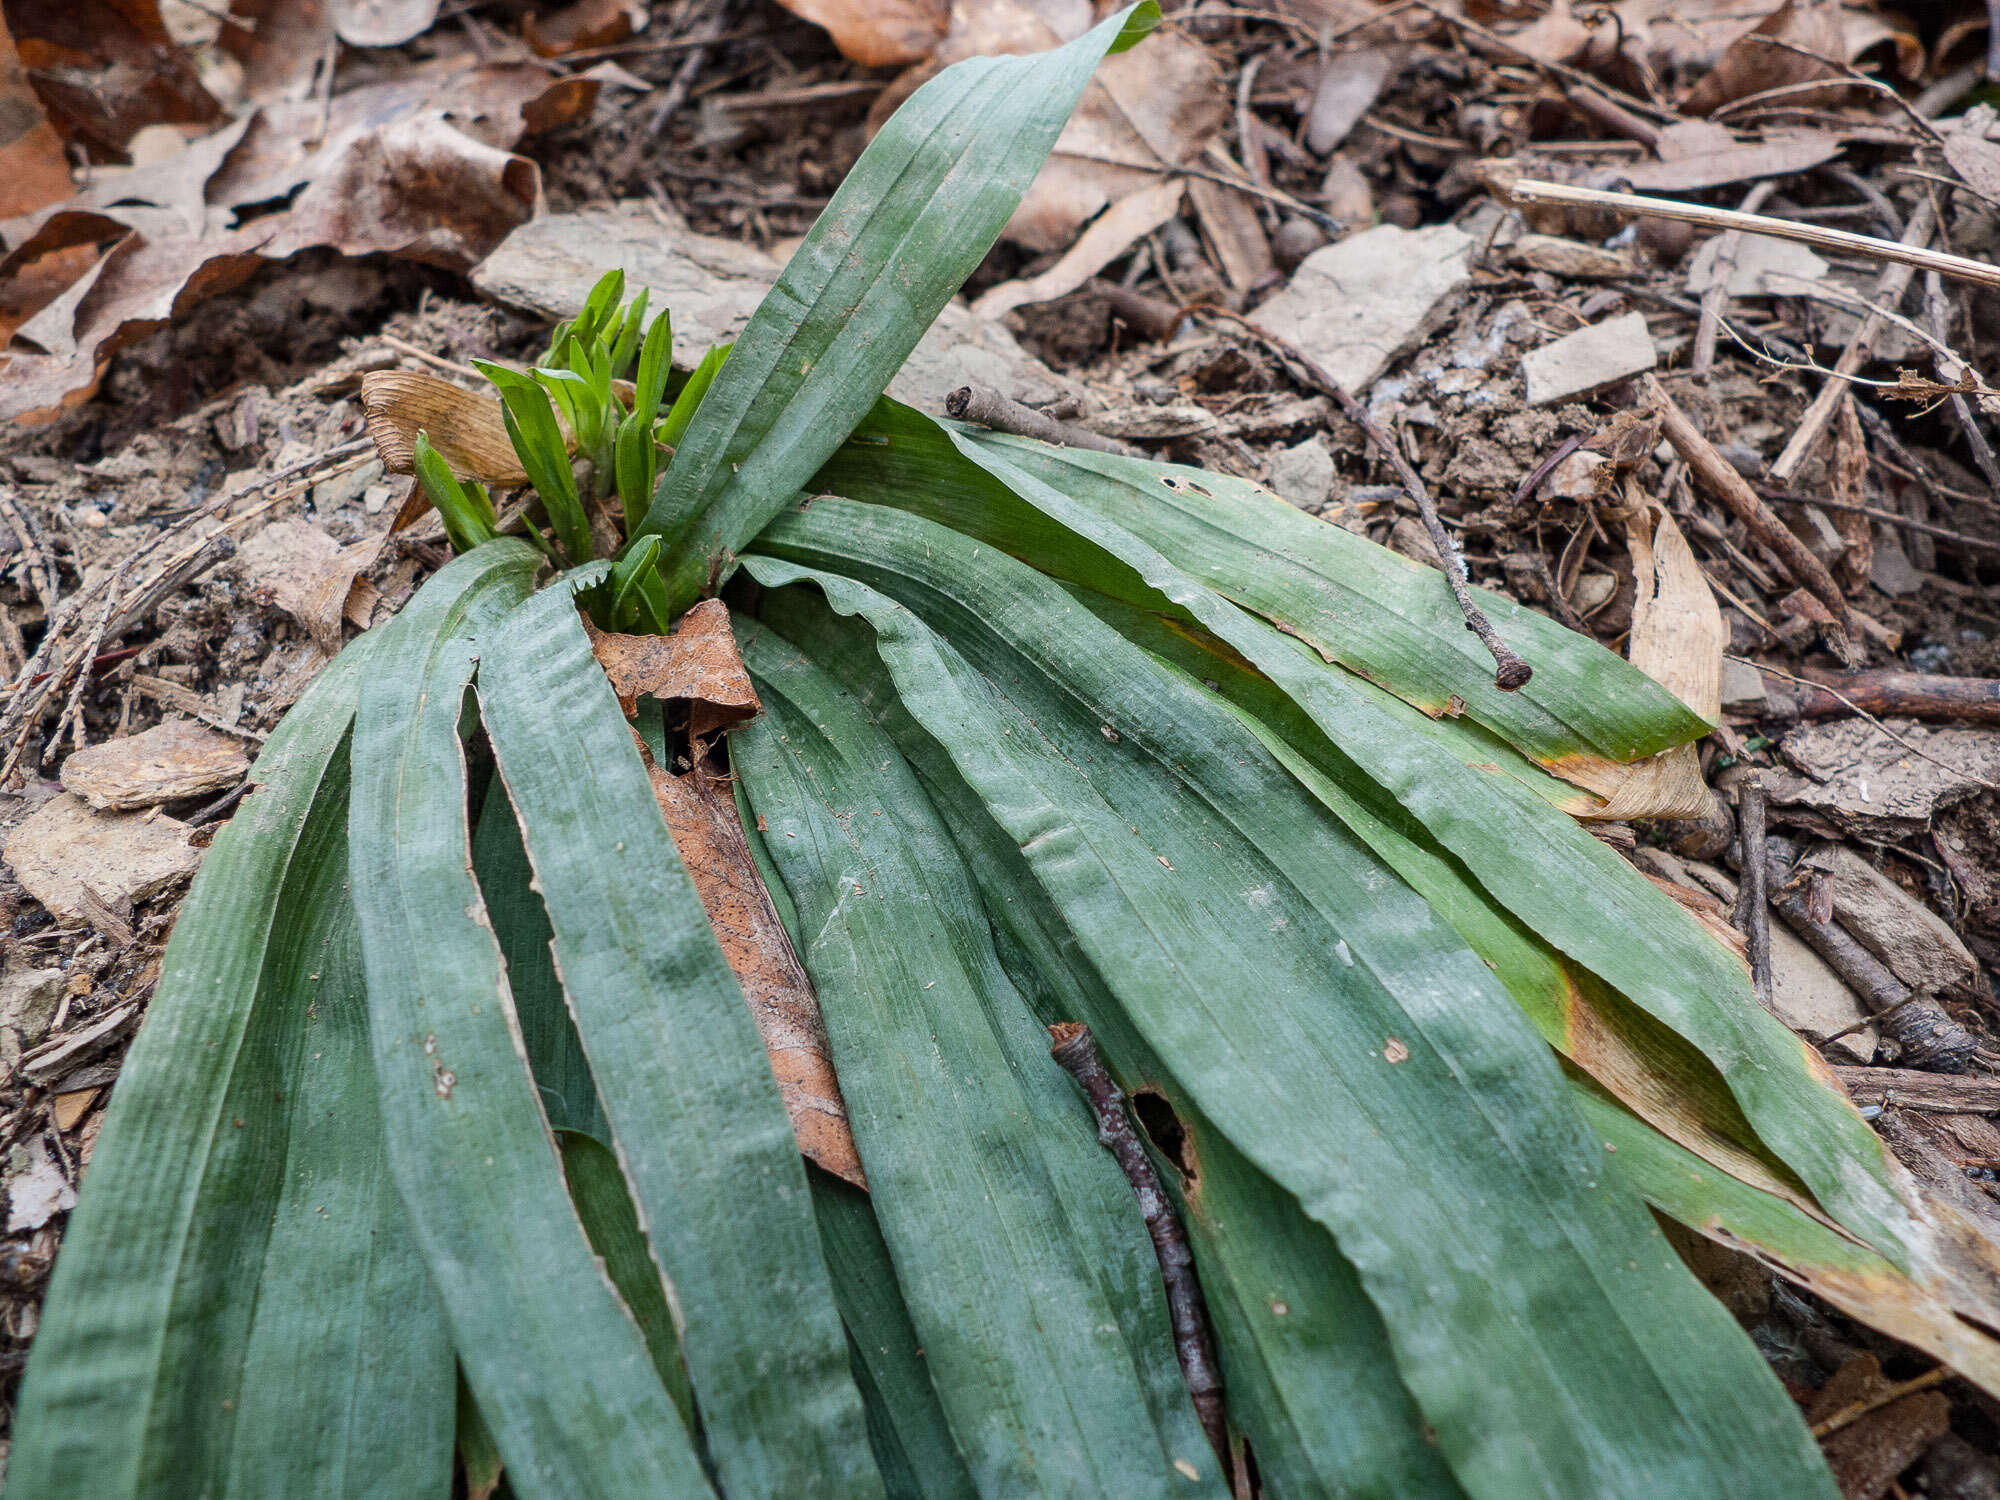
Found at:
[1294, 241]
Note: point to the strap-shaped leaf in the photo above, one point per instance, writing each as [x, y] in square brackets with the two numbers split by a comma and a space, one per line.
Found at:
[699, 1125]
[1310, 1380]
[907, 1425]
[556, 1363]
[1016, 1240]
[238, 1248]
[1382, 614]
[1332, 1026]
[1523, 851]
[910, 222]
[521, 923]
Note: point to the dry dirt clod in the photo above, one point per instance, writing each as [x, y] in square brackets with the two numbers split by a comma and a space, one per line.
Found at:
[122, 857]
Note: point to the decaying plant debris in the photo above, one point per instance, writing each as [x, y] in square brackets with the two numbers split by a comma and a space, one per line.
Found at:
[1801, 556]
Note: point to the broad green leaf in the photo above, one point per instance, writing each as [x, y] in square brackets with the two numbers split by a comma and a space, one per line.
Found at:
[913, 1442]
[1310, 1378]
[1796, 1245]
[555, 1362]
[597, 1185]
[521, 923]
[1385, 616]
[910, 222]
[1374, 1067]
[695, 1114]
[1020, 1249]
[237, 1248]
[1526, 854]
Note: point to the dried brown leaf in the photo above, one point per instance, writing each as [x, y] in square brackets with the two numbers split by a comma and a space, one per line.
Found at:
[416, 168]
[1749, 67]
[698, 662]
[32, 169]
[1114, 232]
[879, 33]
[464, 426]
[295, 567]
[701, 814]
[106, 69]
[585, 24]
[64, 846]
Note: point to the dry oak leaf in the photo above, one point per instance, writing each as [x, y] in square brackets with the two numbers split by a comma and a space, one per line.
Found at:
[879, 33]
[698, 662]
[701, 814]
[106, 69]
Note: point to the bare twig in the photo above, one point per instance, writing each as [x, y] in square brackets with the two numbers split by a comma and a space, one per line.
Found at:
[1886, 517]
[1937, 312]
[985, 407]
[1960, 267]
[1862, 713]
[41, 566]
[1906, 695]
[1889, 289]
[1075, 1051]
[1925, 1036]
[1716, 298]
[1510, 673]
[1906, 1088]
[1856, 1410]
[1719, 477]
[1753, 914]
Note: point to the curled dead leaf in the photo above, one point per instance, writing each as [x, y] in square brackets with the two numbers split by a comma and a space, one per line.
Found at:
[418, 168]
[464, 426]
[698, 662]
[106, 69]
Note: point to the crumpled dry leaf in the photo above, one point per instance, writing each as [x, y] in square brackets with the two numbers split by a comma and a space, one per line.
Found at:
[701, 815]
[417, 168]
[1749, 67]
[466, 427]
[1145, 111]
[105, 69]
[698, 662]
[295, 567]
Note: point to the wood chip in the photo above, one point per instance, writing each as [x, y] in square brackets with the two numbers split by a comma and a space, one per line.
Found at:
[175, 761]
[122, 857]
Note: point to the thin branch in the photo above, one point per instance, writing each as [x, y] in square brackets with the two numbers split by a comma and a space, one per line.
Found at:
[1854, 1411]
[1075, 1052]
[1861, 713]
[1510, 673]
[985, 407]
[1528, 190]
[1753, 913]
